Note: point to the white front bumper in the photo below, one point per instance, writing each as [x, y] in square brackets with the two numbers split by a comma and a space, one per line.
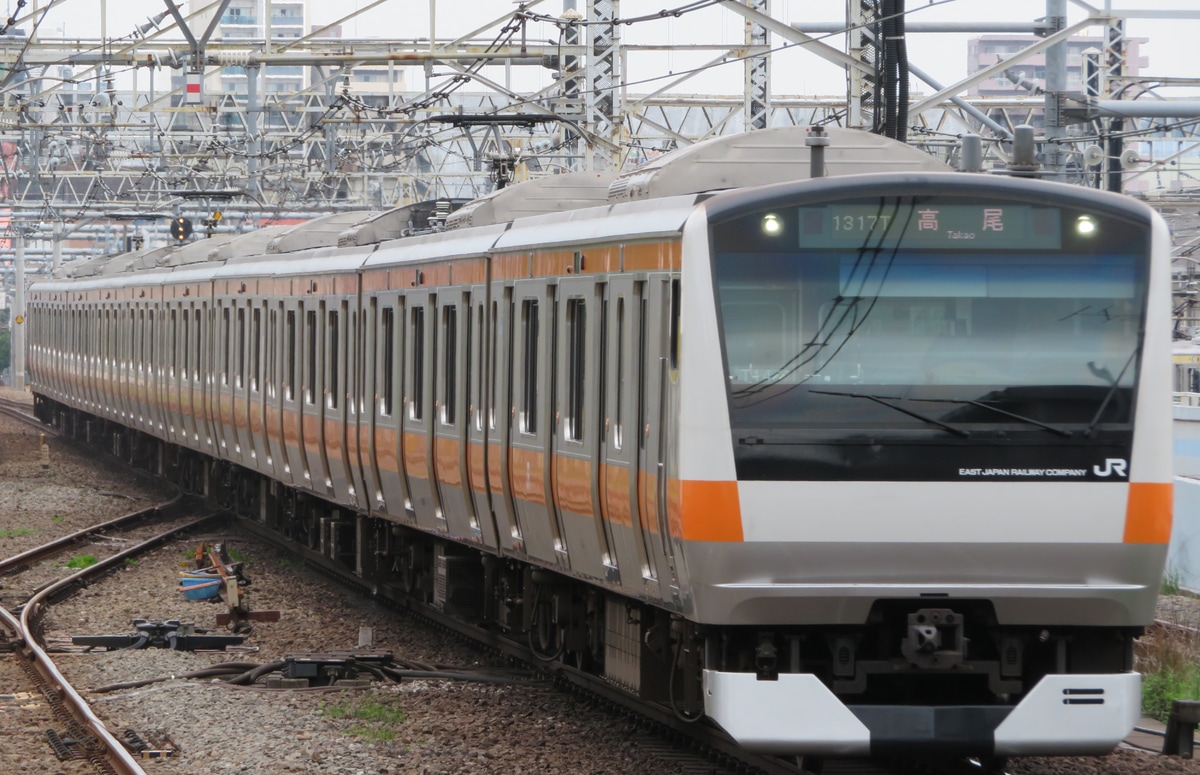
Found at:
[797, 714]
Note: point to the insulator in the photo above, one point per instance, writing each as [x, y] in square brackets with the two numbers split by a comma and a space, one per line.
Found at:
[233, 58]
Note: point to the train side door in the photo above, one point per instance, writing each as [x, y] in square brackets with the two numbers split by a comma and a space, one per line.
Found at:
[480, 365]
[453, 307]
[576, 461]
[222, 396]
[143, 323]
[260, 453]
[370, 391]
[420, 344]
[316, 386]
[358, 396]
[336, 411]
[385, 447]
[241, 441]
[499, 421]
[292, 394]
[654, 431]
[172, 372]
[531, 415]
[620, 507]
[273, 391]
[192, 401]
[124, 350]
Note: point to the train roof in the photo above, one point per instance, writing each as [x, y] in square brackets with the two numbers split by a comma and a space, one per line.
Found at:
[444, 244]
[398, 222]
[252, 243]
[195, 252]
[317, 233]
[766, 156]
[553, 193]
[627, 221]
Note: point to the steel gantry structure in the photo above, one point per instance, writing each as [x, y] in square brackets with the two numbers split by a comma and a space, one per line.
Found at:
[137, 128]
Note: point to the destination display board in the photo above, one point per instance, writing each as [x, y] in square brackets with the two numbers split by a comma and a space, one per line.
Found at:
[950, 226]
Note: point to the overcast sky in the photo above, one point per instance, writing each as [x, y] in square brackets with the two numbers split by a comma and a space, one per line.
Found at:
[1171, 48]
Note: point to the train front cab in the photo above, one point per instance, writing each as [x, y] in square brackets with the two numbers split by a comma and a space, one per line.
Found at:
[953, 564]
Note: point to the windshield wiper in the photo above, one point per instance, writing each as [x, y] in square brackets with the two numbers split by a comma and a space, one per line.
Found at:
[902, 410]
[1112, 391]
[998, 410]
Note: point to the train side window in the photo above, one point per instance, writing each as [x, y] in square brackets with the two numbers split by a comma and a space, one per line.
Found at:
[151, 354]
[674, 324]
[310, 377]
[139, 340]
[416, 407]
[576, 367]
[449, 364]
[389, 358]
[475, 378]
[226, 334]
[334, 352]
[197, 333]
[619, 419]
[495, 354]
[175, 350]
[271, 367]
[240, 377]
[641, 389]
[185, 345]
[529, 379]
[255, 348]
[290, 373]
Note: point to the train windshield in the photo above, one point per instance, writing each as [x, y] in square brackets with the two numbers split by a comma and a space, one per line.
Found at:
[908, 312]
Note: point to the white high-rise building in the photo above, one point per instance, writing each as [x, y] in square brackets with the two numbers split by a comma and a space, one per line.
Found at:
[281, 21]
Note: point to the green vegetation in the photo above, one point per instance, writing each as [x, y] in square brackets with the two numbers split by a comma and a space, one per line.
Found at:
[1170, 582]
[1167, 660]
[286, 562]
[380, 718]
[56, 518]
[129, 561]
[81, 561]
[15, 532]
[236, 556]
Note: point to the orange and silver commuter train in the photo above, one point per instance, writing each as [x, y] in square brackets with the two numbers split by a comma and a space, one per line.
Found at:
[866, 463]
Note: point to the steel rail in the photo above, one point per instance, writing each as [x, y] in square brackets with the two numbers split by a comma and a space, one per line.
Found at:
[58, 544]
[117, 759]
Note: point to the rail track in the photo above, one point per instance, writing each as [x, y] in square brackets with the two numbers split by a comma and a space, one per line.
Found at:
[83, 735]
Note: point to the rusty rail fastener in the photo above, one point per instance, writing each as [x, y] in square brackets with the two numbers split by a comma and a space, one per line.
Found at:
[1181, 728]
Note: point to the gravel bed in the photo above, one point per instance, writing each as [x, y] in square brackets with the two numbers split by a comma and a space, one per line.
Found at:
[435, 726]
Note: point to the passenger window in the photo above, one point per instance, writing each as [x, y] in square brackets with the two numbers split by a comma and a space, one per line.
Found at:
[450, 365]
[389, 355]
[255, 349]
[576, 367]
[310, 392]
[529, 386]
[241, 347]
[334, 352]
[225, 345]
[291, 356]
[416, 407]
[619, 419]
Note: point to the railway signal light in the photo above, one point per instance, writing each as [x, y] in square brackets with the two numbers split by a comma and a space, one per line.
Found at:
[181, 228]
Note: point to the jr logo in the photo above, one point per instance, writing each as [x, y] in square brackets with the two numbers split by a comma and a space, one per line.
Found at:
[1112, 465]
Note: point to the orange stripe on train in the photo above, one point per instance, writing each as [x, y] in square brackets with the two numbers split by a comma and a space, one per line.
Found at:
[708, 511]
[1148, 513]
